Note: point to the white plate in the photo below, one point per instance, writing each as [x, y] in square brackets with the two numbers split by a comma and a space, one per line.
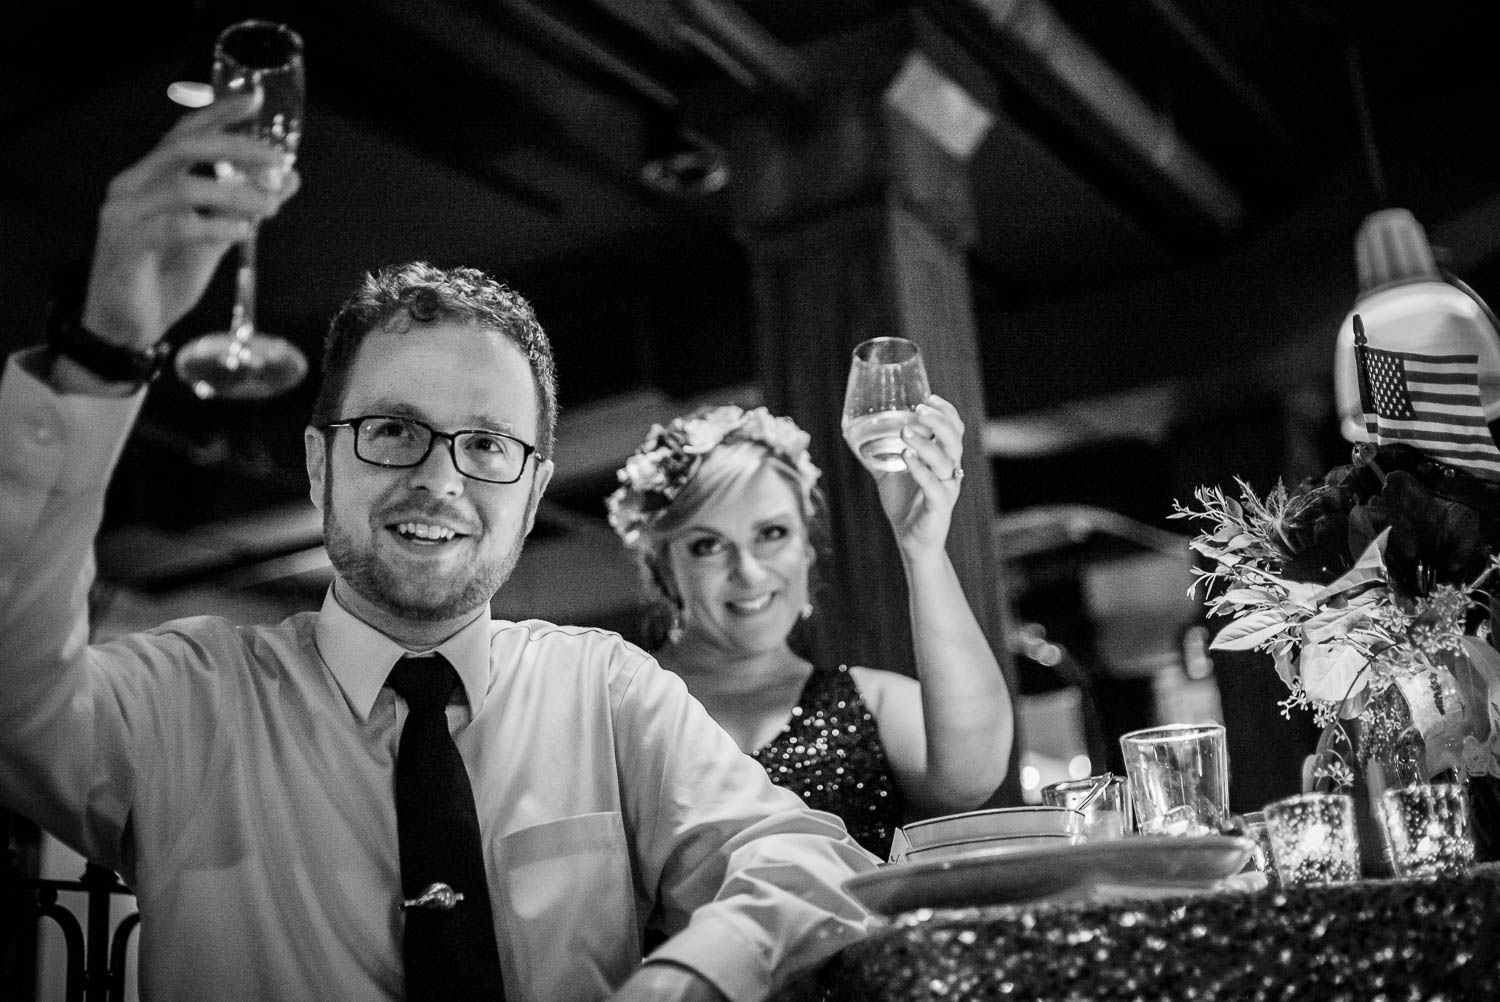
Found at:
[1002, 876]
[970, 830]
[1000, 822]
[1012, 843]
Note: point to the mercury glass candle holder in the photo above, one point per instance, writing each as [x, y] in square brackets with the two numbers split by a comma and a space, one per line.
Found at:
[1313, 839]
[1427, 826]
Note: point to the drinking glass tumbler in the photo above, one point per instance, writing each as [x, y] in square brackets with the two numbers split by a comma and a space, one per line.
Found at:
[1262, 858]
[1179, 779]
[1104, 802]
[887, 379]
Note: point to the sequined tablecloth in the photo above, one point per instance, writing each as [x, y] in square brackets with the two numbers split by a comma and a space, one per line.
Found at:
[1422, 939]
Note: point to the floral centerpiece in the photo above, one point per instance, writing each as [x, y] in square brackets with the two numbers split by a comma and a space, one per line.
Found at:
[1374, 592]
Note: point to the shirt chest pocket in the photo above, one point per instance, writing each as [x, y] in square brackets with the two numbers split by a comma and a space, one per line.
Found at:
[567, 907]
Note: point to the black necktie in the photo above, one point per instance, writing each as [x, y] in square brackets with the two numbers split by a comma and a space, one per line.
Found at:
[449, 945]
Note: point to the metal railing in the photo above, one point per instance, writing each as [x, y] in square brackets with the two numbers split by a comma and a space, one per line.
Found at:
[95, 953]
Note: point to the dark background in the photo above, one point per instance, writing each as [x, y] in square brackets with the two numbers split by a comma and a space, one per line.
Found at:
[1138, 337]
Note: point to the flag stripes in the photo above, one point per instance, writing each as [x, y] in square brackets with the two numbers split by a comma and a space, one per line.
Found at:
[1430, 402]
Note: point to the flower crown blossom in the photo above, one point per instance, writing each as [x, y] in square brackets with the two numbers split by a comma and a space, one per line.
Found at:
[671, 455]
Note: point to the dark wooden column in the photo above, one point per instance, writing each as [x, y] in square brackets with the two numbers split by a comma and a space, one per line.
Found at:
[856, 214]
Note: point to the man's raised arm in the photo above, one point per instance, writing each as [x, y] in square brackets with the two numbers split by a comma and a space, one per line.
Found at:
[163, 230]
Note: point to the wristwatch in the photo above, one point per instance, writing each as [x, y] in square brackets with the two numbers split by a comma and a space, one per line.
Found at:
[117, 363]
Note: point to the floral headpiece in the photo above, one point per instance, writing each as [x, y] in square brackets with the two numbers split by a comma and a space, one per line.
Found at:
[671, 455]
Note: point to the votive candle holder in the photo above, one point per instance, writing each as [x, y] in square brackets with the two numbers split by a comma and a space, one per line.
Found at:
[1313, 839]
[1427, 828]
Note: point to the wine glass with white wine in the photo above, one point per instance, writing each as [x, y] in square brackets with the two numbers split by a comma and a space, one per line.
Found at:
[887, 379]
[244, 363]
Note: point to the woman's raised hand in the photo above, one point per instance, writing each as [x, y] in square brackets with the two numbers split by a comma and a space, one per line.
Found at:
[919, 502]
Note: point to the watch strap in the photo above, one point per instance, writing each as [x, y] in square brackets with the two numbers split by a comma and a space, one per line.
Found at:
[67, 336]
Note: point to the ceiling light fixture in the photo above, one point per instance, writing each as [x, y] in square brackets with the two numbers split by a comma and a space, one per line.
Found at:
[682, 162]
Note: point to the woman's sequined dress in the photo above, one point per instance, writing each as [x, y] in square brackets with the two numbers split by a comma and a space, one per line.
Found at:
[831, 756]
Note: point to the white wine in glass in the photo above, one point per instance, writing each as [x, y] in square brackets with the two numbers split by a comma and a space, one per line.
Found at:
[887, 379]
[244, 363]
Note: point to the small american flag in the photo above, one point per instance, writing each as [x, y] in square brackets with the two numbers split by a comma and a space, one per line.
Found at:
[1430, 402]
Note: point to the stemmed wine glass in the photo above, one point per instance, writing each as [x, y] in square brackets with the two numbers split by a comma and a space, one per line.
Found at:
[244, 363]
[887, 379]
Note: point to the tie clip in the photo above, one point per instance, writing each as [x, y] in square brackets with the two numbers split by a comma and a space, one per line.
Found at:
[439, 896]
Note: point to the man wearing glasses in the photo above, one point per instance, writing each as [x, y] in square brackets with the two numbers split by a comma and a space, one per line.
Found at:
[259, 788]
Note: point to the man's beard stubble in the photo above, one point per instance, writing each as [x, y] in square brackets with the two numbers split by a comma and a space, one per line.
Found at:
[382, 586]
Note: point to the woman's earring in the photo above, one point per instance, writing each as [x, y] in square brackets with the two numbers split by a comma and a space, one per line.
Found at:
[807, 611]
[674, 632]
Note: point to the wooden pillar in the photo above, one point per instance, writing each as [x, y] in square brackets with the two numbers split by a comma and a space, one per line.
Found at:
[857, 217]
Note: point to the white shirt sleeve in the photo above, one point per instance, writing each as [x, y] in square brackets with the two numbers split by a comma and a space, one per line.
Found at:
[57, 452]
[750, 880]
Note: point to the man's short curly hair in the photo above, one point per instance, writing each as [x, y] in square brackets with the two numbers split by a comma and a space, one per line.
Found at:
[401, 296]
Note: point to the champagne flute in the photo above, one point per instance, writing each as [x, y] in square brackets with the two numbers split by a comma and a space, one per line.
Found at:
[244, 363]
[887, 379]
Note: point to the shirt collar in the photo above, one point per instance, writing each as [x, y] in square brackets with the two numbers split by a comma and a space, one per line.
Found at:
[361, 657]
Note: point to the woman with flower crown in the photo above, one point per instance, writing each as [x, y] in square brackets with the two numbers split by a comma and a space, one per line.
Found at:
[721, 509]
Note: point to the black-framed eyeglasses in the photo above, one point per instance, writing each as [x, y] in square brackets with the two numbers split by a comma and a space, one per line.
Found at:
[402, 442]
